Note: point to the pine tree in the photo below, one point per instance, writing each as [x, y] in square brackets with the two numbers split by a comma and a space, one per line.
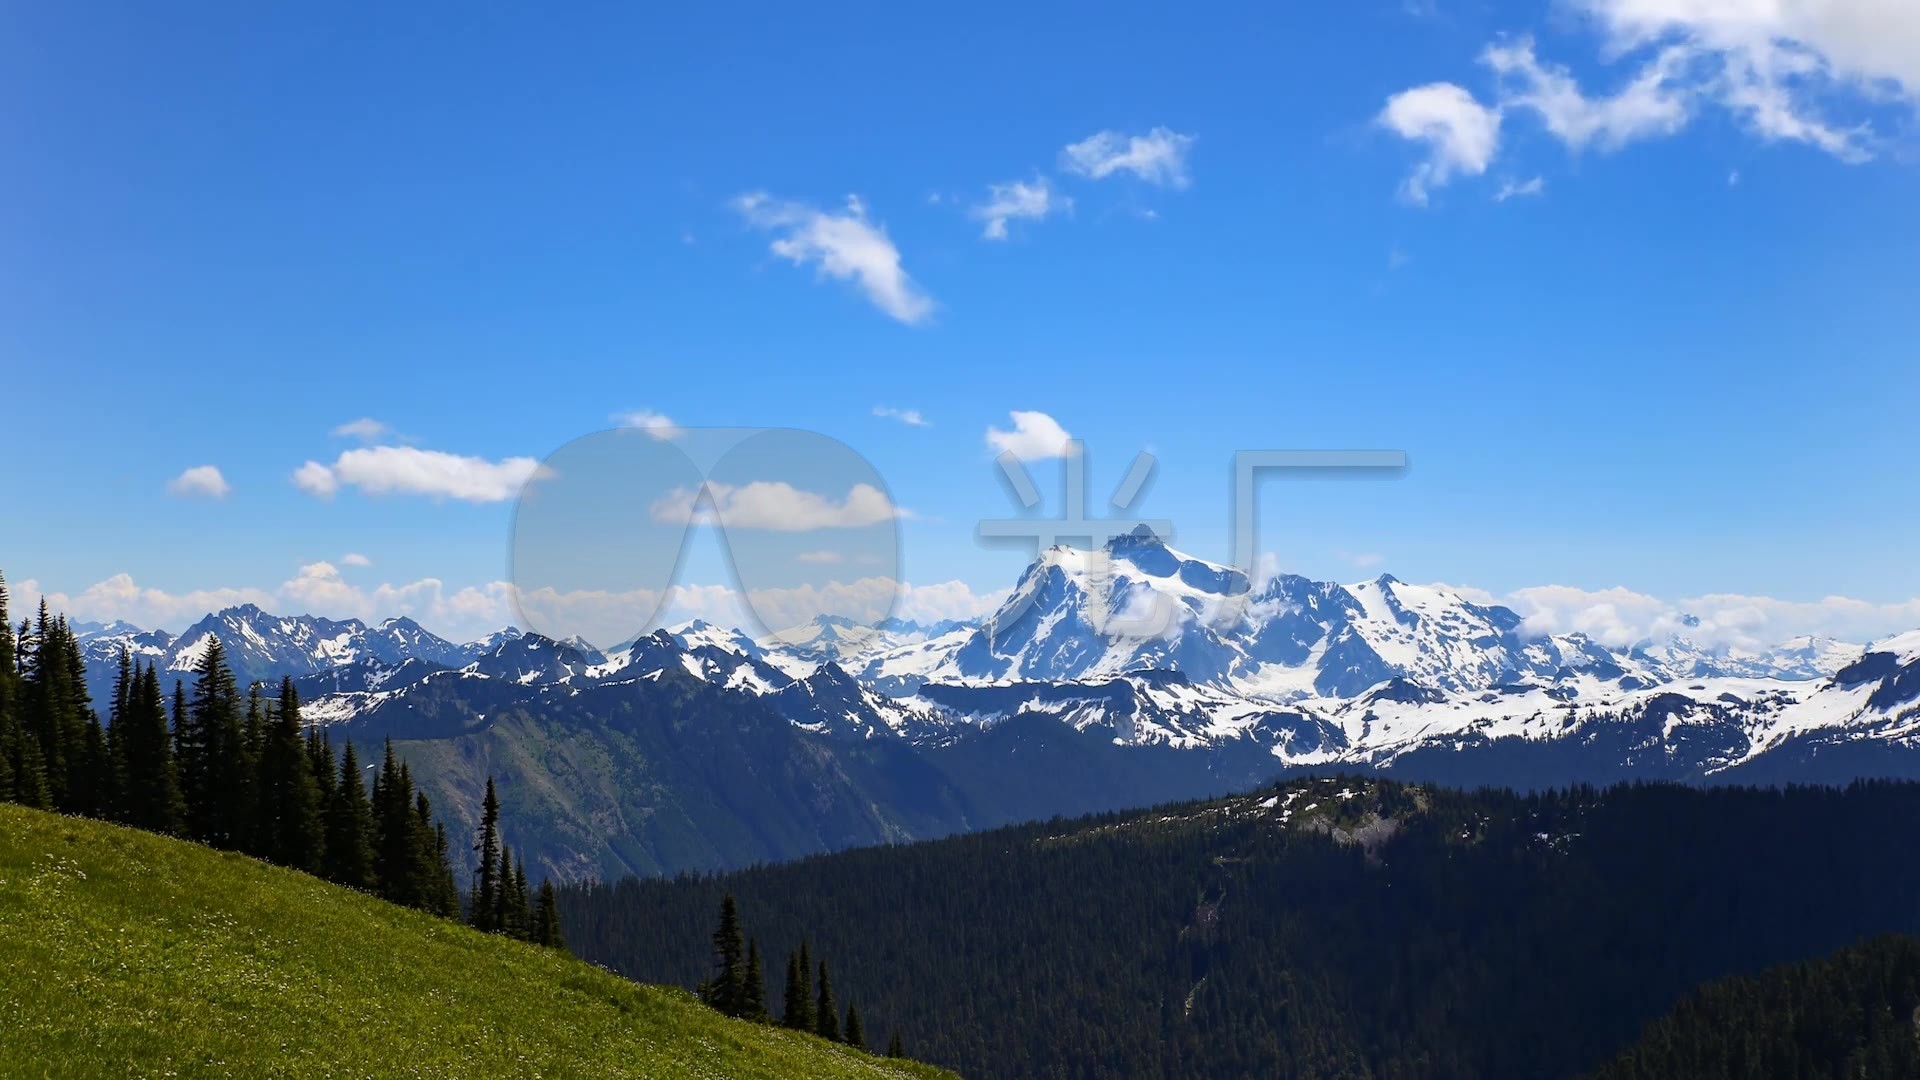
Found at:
[798, 1010]
[446, 894]
[432, 874]
[502, 904]
[725, 991]
[519, 915]
[349, 848]
[486, 881]
[546, 919]
[212, 752]
[150, 786]
[9, 753]
[753, 986]
[289, 823]
[396, 846]
[895, 1048]
[826, 1016]
[856, 1036]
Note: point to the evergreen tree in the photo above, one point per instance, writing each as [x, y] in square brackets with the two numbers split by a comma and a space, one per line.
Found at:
[856, 1036]
[350, 831]
[396, 846]
[725, 991]
[150, 791]
[798, 1011]
[446, 894]
[546, 919]
[895, 1049]
[753, 986]
[486, 883]
[519, 915]
[826, 1016]
[96, 790]
[289, 824]
[9, 731]
[502, 904]
[211, 752]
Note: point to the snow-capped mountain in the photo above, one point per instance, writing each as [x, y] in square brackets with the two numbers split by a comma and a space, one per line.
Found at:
[1142, 606]
[839, 640]
[1152, 647]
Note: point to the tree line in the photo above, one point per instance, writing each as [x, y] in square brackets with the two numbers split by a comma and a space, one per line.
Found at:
[238, 772]
[738, 988]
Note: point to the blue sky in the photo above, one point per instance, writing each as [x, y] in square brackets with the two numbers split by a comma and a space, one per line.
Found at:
[1630, 281]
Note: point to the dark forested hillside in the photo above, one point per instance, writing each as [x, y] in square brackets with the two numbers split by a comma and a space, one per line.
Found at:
[1327, 928]
[1850, 1015]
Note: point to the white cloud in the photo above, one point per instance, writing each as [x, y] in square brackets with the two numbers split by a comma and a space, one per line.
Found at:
[315, 479]
[1461, 134]
[407, 470]
[354, 558]
[909, 417]
[1873, 43]
[1654, 102]
[821, 558]
[201, 480]
[1621, 617]
[1512, 189]
[658, 425]
[1018, 200]
[775, 505]
[1158, 157]
[366, 429]
[844, 246]
[1035, 437]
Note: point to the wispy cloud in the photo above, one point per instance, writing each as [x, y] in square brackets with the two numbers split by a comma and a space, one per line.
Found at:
[775, 505]
[844, 246]
[1158, 157]
[203, 481]
[909, 417]
[1018, 200]
[658, 425]
[366, 429]
[354, 558]
[1520, 189]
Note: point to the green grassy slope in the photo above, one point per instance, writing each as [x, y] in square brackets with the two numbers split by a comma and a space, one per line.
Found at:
[128, 954]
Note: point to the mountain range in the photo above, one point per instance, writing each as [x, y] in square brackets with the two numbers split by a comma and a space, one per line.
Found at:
[1109, 678]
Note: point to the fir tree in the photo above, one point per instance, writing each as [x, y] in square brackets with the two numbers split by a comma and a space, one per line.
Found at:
[519, 915]
[349, 848]
[396, 847]
[432, 875]
[895, 1048]
[289, 823]
[798, 1011]
[826, 1016]
[546, 919]
[486, 882]
[856, 1036]
[150, 795]
[9, 731]
[753, 986]
[502, 904]
[211, 751]
[725, 990]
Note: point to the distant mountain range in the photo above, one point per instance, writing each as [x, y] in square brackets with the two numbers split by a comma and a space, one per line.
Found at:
[1237, 682]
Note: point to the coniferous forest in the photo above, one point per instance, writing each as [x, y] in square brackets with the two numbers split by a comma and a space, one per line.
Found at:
[1853, 1014]
[1398, 931]
[236, 770]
